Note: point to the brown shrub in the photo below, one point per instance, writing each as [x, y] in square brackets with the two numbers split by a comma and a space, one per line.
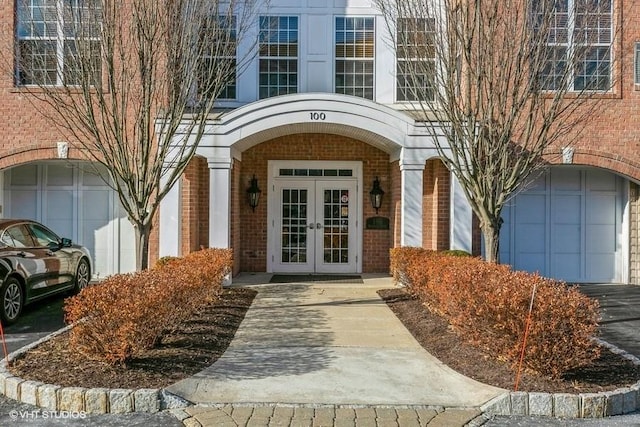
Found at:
[488, 305]
[127, 313]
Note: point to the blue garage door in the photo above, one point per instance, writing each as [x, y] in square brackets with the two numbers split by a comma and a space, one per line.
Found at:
[568, 224]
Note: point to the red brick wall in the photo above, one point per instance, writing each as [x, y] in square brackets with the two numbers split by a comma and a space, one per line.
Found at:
[25, 134]
[253, 225]
[194, 195]
[194, 205]
[436, 205]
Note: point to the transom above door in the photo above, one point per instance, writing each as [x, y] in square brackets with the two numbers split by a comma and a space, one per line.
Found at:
[314, 217]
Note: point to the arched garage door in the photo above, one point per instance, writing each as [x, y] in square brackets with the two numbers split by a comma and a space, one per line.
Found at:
[73, 201]
[568, 225]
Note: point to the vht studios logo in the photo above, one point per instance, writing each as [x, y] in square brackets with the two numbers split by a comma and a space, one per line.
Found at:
[42, 414]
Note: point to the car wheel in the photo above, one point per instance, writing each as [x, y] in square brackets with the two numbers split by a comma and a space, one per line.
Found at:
[82, 275]
[12, 300]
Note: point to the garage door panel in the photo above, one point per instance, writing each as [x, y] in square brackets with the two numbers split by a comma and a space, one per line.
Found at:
[566, 180]
[127, 241]
[601, 267]
[566, 239]
[24, 175]
[601, 239]
[536, 184]
[601, 209]
[59, 176]
[534, 262]
[59, 212]
[566, 209]
[505, 235]
[566, 266]
[599, 180]
[96, 213]
[24, 204]
[530, 209]
[530, 239]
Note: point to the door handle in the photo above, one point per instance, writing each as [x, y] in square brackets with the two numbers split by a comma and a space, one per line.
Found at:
[318, 225]
[312, 226]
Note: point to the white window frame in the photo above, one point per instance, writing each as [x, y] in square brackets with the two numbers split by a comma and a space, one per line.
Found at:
[410, 93]
[288, 89]
[59, 38]
[348, 89]
[570, 45]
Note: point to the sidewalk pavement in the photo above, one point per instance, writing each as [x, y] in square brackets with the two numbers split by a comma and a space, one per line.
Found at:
[330, 354]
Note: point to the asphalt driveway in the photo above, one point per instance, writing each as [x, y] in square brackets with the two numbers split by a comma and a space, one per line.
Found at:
[37, 321]
[620, 310]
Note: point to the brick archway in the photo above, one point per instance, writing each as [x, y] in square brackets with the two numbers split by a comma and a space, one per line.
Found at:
[35, 152]
[605, 160]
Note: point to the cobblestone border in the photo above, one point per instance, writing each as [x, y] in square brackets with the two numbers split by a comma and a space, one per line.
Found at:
[120, 401]
[89, 400]
[565, 405]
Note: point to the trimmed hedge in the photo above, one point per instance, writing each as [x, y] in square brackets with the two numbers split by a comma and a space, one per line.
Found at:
[127, 313]
[488, 303]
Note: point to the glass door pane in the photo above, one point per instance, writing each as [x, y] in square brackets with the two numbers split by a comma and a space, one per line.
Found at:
[336, 216]
[294, 226]
[336, 226]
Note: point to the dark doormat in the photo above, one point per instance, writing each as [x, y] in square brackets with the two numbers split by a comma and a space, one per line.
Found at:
[324, 278]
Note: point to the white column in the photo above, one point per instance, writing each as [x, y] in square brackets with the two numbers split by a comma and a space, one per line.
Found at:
[170, 220]
[220, 204]
[461, 218]
[411, 211]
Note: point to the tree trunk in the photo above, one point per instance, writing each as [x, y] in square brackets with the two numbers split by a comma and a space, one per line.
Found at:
[143, 232]
[491, 235]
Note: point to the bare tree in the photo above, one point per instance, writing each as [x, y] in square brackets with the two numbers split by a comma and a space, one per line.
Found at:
[501, 85]
[133, 84]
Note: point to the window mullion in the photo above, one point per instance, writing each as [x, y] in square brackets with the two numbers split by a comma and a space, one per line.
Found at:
[60, 42]
[571, 48]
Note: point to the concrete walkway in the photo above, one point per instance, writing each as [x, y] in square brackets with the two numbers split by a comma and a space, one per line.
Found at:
[332, 345]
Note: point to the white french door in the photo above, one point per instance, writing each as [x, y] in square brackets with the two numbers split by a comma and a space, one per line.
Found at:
[315, 226]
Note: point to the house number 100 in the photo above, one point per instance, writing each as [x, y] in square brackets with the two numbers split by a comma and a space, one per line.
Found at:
[317, 116]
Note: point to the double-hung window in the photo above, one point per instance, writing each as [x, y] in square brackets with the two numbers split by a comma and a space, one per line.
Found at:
[56, 40]
[415, 57]
[217, 77]
[278, 55]
[579, 41]
[354, 55]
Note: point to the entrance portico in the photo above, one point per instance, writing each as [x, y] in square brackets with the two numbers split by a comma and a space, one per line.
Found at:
[326, 135]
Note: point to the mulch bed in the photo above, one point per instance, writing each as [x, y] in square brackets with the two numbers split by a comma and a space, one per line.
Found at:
[609, 372]
[186, 351]
[204, 338]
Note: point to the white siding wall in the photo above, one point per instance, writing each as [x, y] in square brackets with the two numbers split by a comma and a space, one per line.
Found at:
[316, 48]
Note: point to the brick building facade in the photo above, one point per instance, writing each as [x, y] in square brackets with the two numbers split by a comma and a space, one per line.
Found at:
[579, 222]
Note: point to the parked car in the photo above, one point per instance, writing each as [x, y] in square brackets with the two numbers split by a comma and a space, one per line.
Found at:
[35, 263]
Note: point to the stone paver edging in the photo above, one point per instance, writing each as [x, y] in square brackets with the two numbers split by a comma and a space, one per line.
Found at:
[119, 401]
[81, 399]
[565, 405]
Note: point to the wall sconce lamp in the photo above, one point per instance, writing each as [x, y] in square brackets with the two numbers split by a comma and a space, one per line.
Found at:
[376, 194]
[254, 193]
